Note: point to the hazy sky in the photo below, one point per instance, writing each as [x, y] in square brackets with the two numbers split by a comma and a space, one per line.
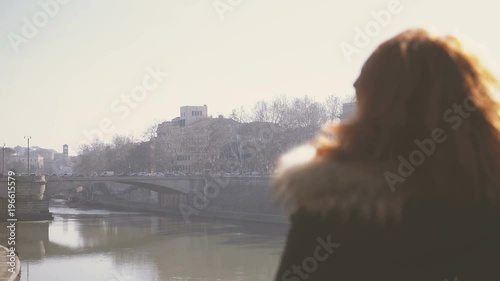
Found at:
[87, 56]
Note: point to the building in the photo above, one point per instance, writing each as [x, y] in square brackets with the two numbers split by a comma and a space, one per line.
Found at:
[193, 140]
[191, 114]
[348, 110]
[47, 154]
[65, 152]
[19, 163]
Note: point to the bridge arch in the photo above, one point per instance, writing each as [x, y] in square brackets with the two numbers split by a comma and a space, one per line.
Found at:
[161, 185]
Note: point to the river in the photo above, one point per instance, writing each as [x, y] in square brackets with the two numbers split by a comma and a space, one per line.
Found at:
[102, 245]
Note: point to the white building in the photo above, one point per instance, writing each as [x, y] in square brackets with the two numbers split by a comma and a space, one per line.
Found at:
[191, 114]
[193, 138]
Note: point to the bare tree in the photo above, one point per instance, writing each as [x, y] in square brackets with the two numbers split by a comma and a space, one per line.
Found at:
[92, 157]
[219, 134]
[239, 115]
[119, 154]
[260, 144]
[141, 157]
[306, 113]
[279, 110]
[151, 131]
[261, 112]
[333, 106]
[166, 148]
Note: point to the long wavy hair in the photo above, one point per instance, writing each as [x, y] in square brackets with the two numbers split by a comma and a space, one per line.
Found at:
[410, 86]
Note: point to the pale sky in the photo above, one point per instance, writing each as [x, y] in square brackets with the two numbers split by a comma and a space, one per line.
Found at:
[71, 73]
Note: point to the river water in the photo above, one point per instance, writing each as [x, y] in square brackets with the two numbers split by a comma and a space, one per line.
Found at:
[101, 245]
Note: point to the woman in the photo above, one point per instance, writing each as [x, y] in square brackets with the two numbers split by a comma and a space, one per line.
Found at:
[409, 188]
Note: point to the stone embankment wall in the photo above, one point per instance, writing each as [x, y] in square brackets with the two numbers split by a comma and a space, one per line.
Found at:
[30, 202]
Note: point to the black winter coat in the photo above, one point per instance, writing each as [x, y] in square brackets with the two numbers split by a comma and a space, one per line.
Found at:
[348, 225]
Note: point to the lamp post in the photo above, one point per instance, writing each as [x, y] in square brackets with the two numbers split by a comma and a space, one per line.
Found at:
[28, 138]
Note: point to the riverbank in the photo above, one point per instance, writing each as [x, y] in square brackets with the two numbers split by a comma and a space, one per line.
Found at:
[9, 270]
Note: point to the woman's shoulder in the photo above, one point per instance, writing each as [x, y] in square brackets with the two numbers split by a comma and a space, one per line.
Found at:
[305, 180]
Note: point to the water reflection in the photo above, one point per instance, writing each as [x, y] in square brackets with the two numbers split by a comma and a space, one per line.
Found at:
[103, 245]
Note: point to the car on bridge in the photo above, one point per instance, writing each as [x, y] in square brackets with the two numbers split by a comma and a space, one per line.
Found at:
[107, 174]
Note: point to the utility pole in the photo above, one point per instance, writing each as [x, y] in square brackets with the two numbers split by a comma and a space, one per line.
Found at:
[28, 138]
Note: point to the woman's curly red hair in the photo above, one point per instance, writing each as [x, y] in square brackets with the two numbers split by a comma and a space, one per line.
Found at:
[405, 90]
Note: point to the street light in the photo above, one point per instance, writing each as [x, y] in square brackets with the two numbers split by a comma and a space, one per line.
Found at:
[28, 138]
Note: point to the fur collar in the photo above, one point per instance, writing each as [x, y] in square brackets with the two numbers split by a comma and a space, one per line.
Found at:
[305, 181]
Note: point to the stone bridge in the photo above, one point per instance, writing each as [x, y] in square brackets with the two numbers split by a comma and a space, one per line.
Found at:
[159, 184]
[245, 198]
